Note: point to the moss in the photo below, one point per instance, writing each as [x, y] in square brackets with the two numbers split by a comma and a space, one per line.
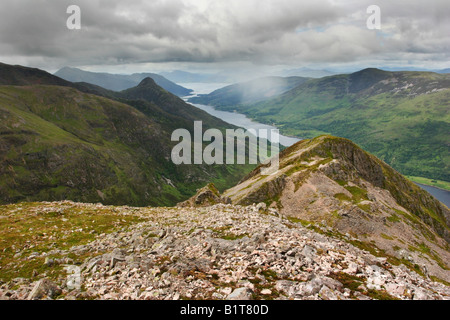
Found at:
[341, 182]
[40, 228]
[349, 281]
[436, 279]
[354, 284]
[423, 248]
[232, 236]
[393, 218]
[270, 275]
[365, 207]
[385, 236]
[342, 197]
[223, 234]
[358, 193]
[380, 295]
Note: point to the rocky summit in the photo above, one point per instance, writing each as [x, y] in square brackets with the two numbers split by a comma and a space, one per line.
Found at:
[333, 223]
[333, 182]
[218, 252]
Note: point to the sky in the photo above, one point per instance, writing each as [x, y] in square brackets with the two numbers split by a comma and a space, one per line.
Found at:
[224, 35]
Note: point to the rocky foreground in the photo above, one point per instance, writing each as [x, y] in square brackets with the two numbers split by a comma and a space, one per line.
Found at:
[217, 252]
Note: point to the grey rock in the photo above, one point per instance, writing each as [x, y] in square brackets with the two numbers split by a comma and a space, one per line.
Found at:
[44, 288]
[420, 294]
[49, 262]
[327, 294]
[309, 252]
[311, 287]
[240, 294]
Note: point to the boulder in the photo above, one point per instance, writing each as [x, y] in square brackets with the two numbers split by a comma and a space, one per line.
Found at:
[206, 196]
[44, 288]
[240, 294]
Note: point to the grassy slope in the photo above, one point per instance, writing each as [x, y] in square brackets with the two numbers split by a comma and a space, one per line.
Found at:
[57, 143]
[408, 132]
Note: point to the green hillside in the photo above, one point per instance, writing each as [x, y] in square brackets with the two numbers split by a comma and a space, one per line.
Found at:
[401, 117]
[57, 143]
[66, 141]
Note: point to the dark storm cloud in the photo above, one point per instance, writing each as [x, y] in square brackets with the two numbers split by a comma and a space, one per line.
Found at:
[259, 31]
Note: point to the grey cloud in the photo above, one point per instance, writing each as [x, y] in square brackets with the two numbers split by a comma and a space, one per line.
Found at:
[258, 31]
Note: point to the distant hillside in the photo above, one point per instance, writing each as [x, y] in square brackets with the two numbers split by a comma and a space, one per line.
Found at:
[118, 82]
[59, 143]
[249, 92]
[401, 117]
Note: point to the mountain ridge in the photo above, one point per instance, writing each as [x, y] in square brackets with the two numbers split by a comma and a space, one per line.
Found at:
[333, 182]
[118, 82]
[60, 143]
[402, 117]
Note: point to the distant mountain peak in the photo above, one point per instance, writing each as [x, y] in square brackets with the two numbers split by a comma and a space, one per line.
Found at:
[147, 82]
[119, 82]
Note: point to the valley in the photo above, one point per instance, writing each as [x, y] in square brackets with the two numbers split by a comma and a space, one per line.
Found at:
[88, 185]
[402, 117]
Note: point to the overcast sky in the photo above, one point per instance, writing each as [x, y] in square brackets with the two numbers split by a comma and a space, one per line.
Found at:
[156, 35]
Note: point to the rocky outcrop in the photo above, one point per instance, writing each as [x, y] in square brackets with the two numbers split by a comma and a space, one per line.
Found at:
[206, 196]
[44, 288]
[221, 252]
[333, 182]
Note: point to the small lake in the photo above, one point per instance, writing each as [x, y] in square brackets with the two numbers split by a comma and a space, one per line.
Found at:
[241, 120]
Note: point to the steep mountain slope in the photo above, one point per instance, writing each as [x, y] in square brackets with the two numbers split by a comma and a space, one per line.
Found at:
[118, 82]
[249, 92]
[148, 91]
[58, 143]
[401, 117]
[332, 181]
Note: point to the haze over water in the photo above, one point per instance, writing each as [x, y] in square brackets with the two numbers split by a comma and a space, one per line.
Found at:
[234, 118]
[242, 121]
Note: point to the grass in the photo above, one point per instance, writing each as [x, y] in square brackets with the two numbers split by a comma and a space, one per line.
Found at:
[358, 193]
[342, 197]
[29, 227]
[223, 233]
[431, 182]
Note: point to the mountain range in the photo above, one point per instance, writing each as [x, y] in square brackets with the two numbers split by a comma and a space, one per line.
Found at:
[333, 222]
[401, 117]
[61, 140]
[119, 82]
